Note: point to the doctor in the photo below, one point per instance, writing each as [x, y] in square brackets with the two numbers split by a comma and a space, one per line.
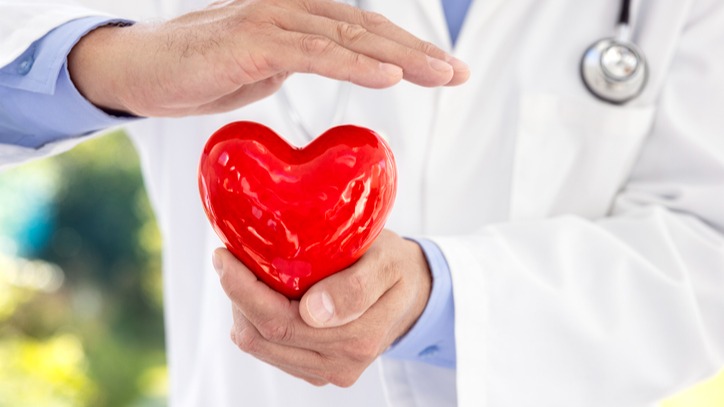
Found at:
[583, 240]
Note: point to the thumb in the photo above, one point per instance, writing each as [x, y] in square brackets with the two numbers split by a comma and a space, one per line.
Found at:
[343, 297]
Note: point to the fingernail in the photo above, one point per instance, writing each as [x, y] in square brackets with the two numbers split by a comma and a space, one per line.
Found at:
[320, 307]
[438, 64]
[389, 69]
[216, 261]
[457, 64]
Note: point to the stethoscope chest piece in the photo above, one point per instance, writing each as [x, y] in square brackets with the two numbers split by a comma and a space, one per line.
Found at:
[614, 70]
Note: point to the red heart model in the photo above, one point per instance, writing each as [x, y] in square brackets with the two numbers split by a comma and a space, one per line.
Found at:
[294, 216]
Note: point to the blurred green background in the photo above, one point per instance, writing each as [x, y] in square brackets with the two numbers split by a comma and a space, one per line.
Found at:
[80, 282]
[80, 285]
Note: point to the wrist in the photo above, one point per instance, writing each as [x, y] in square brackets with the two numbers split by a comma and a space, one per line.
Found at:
[99, 71]
[424, 282]
[432, 338]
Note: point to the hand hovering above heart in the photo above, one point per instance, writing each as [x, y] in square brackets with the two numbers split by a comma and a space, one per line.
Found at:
[235, 52]
[294, 216]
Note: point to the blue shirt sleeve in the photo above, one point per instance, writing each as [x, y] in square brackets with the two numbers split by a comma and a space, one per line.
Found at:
[38, 102]
[432, 338]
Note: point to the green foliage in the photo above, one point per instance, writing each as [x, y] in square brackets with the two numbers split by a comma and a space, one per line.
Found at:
[49, 373]
[91, 341]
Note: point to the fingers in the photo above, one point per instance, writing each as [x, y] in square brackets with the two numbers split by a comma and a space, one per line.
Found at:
[240, 283]
[355, 290]
[244, 95]
[372, 293]
[275, 317]
[417, 66]
[297, 362]
[344, 296]
[345, 43]
[312, 53]
[341, 368]
[380, 25]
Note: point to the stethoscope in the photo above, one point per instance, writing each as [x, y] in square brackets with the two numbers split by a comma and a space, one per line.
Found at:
[613, 70]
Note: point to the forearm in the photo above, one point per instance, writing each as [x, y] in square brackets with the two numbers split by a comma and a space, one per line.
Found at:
[100, 64]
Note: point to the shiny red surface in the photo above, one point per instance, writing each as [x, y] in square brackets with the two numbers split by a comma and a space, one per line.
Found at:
[294, 216]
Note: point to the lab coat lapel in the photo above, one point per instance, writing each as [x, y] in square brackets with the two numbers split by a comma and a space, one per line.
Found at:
[434, 11]
[480, 12]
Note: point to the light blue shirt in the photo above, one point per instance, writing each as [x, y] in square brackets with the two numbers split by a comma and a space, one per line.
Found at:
[39, 104]
[432, 338]
[455, 12]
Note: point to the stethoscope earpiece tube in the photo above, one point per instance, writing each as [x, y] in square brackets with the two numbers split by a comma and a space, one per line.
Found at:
[625, 17]
[615, 69]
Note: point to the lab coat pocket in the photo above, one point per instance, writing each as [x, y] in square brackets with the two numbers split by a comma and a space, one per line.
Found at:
[572, 156]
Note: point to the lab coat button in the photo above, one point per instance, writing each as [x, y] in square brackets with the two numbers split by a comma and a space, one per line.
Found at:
[25, 66]
[429, 352]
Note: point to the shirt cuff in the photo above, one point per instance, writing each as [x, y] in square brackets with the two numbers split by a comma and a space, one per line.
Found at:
[39, 104]
[432, 339]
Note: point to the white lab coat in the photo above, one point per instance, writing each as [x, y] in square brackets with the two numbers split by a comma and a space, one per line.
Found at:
[584, 239]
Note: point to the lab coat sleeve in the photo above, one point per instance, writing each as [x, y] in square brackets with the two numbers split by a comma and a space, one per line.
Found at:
[620, 311]
[24, 22]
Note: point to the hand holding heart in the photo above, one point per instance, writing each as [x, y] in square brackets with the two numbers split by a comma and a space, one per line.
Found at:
[341, 324]
[300, 218]
[236, 52]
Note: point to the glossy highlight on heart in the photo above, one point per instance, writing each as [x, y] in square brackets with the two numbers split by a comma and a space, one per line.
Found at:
[296, 215]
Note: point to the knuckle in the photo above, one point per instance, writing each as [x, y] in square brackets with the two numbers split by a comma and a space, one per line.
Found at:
[305, 5]
[253, 67]
[278, 79]
[245, 339]
[275, 331]
[365, 351]
[354, 60]
[315, 45]
[228, 282]
[350, 33]
[392, 271]
[372, 19]
[356, 297]
[273, 83]
[316, 382]
[345, 378]
[428, 48]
